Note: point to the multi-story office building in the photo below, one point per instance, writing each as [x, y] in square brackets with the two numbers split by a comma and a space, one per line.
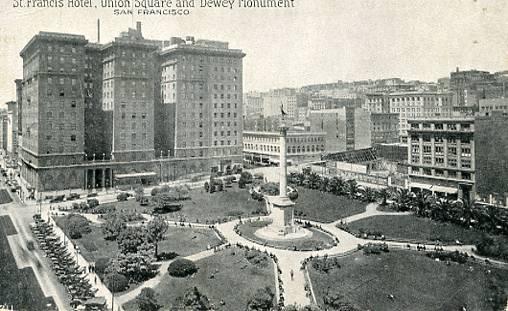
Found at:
[377, 103]
[487, 106]
[469, 86]
[346, 128]
[413, 105]
[132, 110]
[491, 158]
[264, 147]
[441, 156]
[12, 129]
[253, 105]
[384, 128]
[289, 99]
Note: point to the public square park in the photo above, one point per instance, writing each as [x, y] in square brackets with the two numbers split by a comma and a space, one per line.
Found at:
[177, 248]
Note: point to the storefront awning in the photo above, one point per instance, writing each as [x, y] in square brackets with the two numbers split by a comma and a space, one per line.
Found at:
[434, 188]
[135, 175]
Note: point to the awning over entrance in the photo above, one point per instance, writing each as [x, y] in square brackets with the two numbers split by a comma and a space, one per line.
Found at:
[135, 175]
[434, 188]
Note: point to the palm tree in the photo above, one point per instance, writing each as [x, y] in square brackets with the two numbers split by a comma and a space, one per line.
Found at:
[369, 194]
[352, 188]
[403, 199]
[324, 184]
[313, 180]
[384, 195]
[423, 203]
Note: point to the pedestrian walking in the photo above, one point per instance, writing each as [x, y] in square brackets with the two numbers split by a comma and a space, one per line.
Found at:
[292, 273]
[95, 280]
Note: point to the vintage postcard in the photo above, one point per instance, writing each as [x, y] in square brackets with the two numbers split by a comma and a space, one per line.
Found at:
[259, 155]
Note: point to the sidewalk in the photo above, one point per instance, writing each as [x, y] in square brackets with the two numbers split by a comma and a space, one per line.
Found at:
[82, 262]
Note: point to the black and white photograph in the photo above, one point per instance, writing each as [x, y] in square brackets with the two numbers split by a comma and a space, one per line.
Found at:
[254, 155]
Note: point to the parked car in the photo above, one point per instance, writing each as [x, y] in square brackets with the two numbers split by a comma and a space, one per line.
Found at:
[57, 199]
[72, 196]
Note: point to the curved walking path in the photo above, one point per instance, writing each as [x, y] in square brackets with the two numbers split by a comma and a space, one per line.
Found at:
[120, 300]
[293, 288]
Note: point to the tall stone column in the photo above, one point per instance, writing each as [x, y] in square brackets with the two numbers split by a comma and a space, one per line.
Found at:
[93, 178]
[103, 179]
[283, 164]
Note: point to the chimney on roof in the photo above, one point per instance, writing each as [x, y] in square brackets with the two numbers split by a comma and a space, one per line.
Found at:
[138, 27]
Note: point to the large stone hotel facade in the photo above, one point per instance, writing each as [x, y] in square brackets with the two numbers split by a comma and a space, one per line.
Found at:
[129, 111]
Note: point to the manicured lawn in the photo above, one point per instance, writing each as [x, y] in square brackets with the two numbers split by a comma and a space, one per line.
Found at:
[325, 207]
[130, 205]
[203, 206]
[5, 197]
[92, 245]
[183, 241]
[416, 282]
[187, 241]
[318, 240]
[218, 205]
[18, 287]
[410, 227]
[235, 281]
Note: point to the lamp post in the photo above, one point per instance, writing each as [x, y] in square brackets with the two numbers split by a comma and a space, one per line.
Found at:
[76, 248]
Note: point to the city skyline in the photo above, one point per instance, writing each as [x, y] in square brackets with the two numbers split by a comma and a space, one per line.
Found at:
[412, 45]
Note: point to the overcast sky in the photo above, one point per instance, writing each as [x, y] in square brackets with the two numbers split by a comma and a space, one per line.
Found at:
[318, 41]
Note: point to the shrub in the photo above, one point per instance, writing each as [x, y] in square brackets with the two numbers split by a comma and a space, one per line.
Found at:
[122, 196]
[101, 264]
[146, 300]
[262, 300]
[182, 268]
[293, 195]
[116, 282]
[167, 256]
[104, 209]
[155, 191]
[76, 225]
[207, 186]
[234, 213]
[256, 258]
[492, 246]
[257, 196]
[92, 203]
[371, 248]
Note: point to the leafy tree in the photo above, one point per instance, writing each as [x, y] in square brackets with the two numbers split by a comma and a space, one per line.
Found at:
[156, 228]
[77, 225]
[147, 301]
[245, 178]
[116, 282]
[194, 300]
[137, 266]
[166, 202]
[139, 193]
[262, 300]
[130, 239]
[182, 267]
[113, 226]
